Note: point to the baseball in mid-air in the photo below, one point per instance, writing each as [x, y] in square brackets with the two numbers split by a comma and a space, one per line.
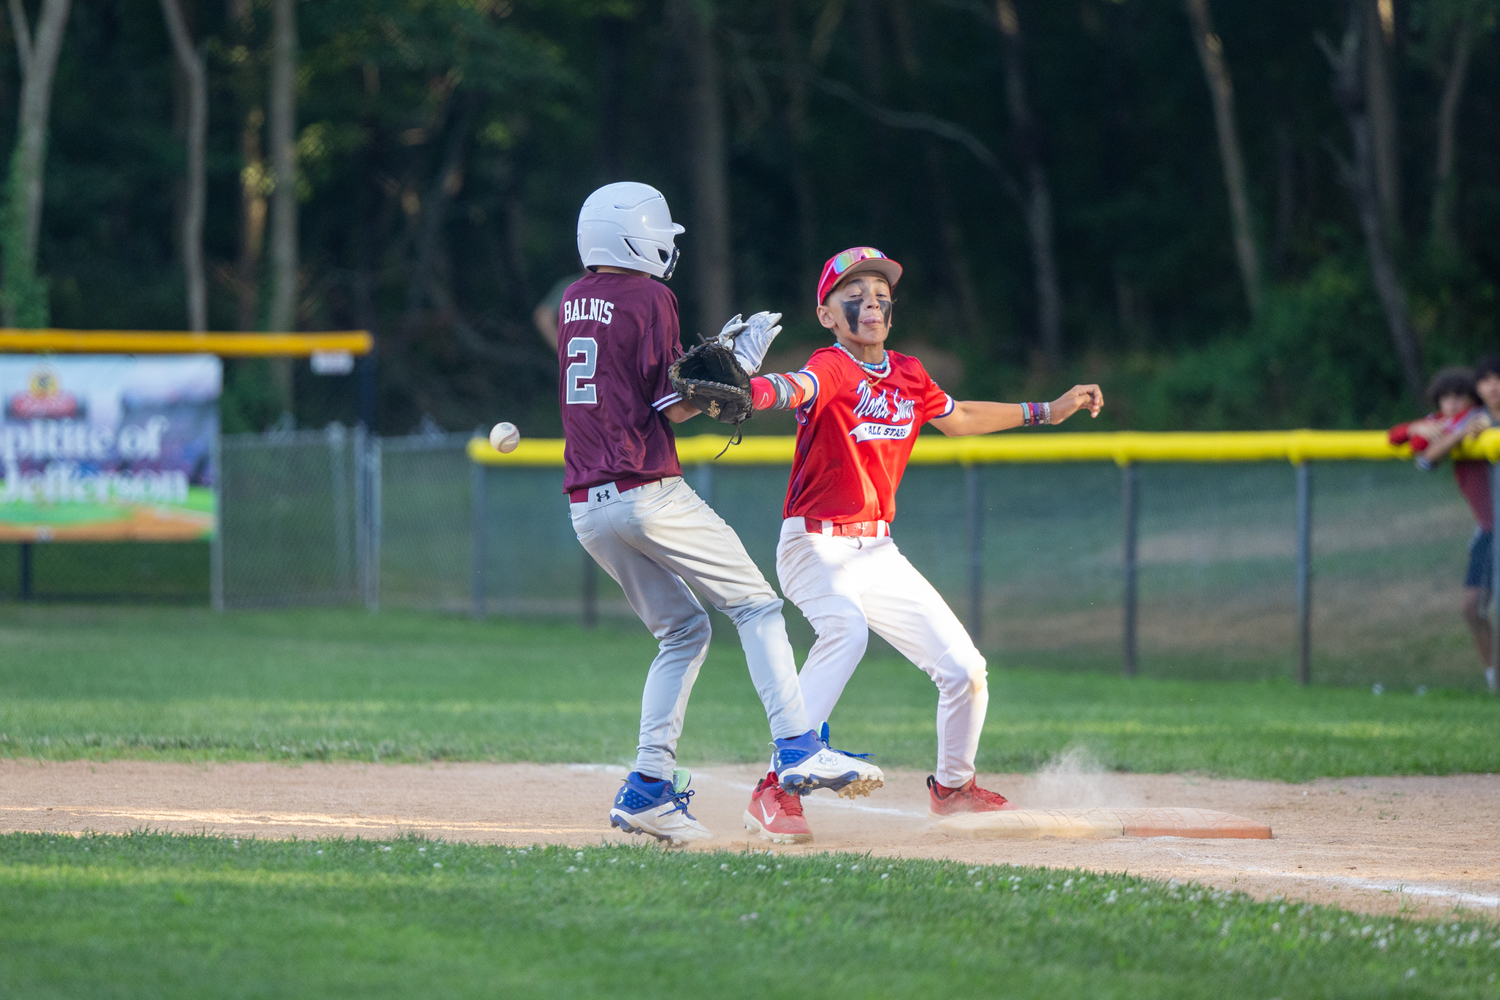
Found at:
[504, 437]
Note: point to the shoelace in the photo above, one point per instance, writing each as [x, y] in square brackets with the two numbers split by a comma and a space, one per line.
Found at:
[786, 803]
[971, 790]
[847, 753]
[680, 801]
[988, 796]
[823, 739]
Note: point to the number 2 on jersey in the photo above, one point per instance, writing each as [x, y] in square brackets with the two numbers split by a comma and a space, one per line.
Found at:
[579, 371]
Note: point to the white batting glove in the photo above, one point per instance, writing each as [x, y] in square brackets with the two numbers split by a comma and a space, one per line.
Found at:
[731, 330]
[750, 346]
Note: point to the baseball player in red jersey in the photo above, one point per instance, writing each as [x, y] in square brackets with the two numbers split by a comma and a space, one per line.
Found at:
[858, 408]
[618, 338]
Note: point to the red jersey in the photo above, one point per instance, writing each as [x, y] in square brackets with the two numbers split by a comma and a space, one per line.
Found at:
[1473, 476]
[617, 339]
[1474, 483]
[856, 434]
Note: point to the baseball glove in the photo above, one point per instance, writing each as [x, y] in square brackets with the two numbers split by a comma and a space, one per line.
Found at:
[710, 377]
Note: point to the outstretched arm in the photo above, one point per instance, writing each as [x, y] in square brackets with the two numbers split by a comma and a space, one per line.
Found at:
[767, 392]
[979, 417]
[781, 392]
[1445, 442]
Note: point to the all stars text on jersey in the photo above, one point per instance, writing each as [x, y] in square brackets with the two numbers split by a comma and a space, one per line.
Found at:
[883, 405]
[596, 310]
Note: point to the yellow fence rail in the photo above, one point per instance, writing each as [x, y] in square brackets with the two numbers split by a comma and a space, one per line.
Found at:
[227, 345]
[1126, 449]
[1121, 448]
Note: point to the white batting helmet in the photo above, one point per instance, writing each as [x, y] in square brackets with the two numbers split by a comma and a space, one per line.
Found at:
[628, 224]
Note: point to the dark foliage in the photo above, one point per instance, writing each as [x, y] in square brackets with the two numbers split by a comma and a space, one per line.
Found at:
[445, 148]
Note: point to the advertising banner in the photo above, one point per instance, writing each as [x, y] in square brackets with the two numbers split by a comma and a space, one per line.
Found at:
[108, 447]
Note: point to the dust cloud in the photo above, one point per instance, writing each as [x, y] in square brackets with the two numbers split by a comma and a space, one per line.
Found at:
[1074, 779]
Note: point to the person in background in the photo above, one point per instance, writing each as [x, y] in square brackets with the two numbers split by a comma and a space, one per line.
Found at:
[1487, 386]
[544, 316]
[1459, 413]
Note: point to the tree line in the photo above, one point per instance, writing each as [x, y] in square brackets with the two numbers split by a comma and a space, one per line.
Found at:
[1234, 214]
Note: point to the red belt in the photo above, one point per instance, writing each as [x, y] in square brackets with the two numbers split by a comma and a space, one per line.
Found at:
[849, 529]
[581, 495]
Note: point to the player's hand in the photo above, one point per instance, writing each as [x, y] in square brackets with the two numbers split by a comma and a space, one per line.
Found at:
[1424, 428]
[750, 346]
[1478, 423]
[731, 330]
[1080, 397]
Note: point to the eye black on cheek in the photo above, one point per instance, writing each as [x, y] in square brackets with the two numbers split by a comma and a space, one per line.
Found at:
[851, 313]
[885, 309]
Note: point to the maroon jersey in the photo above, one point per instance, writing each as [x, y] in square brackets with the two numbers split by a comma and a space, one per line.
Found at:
[617, 337]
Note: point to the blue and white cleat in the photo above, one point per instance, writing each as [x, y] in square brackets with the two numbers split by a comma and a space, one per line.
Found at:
[657, 808]
[806, 763]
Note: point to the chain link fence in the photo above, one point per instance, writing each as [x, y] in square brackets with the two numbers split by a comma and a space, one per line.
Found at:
[294, 523]
[340, 517]
[1184, 570]
[1040, 574]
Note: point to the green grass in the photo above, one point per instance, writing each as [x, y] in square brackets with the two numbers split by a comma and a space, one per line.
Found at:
[165, 916]
[118, 571]
[168, 916]
[187, 684]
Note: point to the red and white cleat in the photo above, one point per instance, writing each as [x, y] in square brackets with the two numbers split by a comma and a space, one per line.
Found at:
[966, 798]
[776, 814]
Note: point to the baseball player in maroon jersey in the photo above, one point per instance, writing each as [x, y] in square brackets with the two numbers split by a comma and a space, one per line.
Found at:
[618, 337]
[858, 408]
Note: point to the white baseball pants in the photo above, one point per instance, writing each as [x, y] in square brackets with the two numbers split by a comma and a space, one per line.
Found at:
[655, 541]
[848, 586]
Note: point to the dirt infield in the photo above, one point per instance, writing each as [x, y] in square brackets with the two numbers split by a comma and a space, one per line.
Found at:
[1420, 846]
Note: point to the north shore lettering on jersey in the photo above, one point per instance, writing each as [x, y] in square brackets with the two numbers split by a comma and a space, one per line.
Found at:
[592, 310]
[891, 412]
[618, 336]
[883, 404]
[855, 436]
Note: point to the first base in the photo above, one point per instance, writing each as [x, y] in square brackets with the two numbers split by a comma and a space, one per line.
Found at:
[1030, 824]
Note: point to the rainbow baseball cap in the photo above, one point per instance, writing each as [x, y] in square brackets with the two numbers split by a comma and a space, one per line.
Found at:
[853, 261]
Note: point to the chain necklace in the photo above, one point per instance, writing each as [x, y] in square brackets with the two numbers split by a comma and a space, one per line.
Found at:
[873, 372]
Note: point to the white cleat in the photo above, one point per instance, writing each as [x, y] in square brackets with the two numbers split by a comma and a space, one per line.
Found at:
[658, 809]
[805, 764]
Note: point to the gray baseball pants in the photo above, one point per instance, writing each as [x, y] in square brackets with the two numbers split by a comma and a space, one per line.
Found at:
[656, 541]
